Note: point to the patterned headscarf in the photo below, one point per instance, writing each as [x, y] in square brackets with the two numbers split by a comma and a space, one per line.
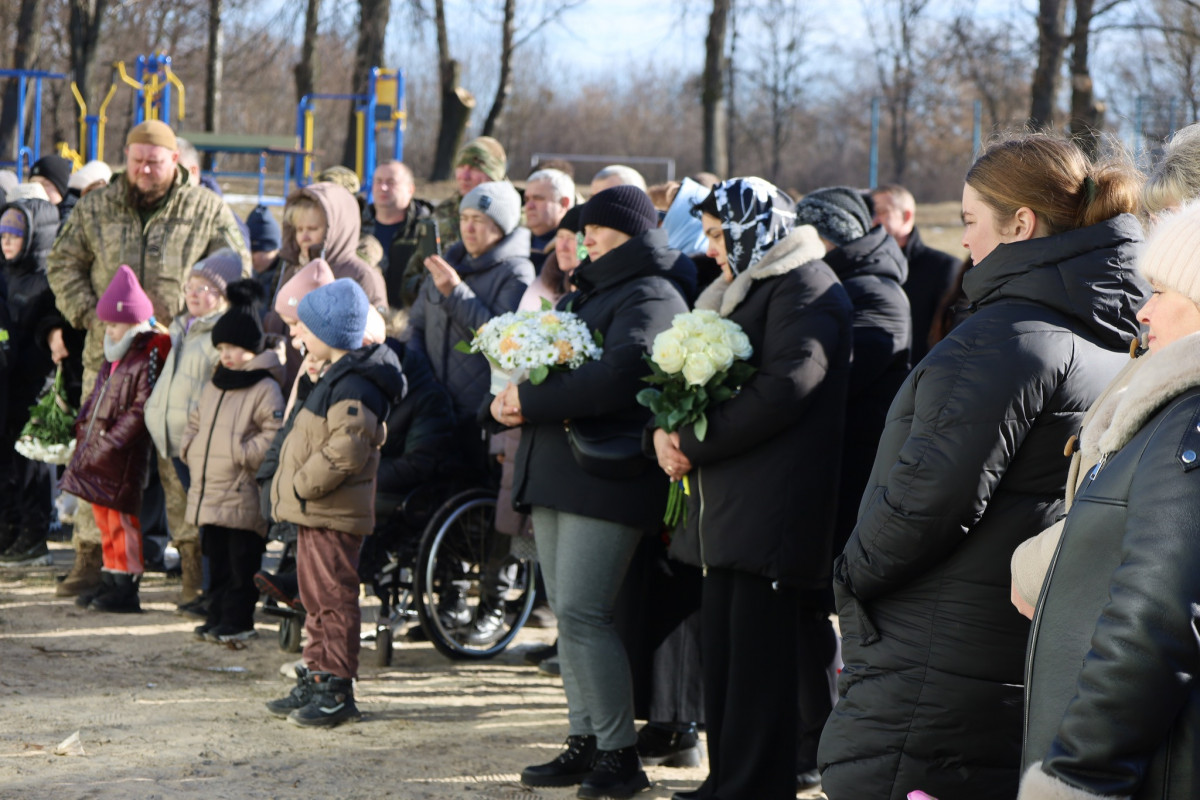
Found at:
[754, 215]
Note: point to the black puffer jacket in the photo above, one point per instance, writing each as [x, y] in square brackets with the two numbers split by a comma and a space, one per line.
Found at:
[968, 467]
[872, 269]
[1120, 600]
[629, 297]
[931, 275]
[30, 303]
[762, 493]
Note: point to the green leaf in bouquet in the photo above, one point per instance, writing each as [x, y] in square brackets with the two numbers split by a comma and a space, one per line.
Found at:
[464, 347]
[740, 372]
[547, 305]
[598, 337]
[700, 427]
[538, 374]
[688, 402]
[675, 419]
[720, 394]
[649, 398]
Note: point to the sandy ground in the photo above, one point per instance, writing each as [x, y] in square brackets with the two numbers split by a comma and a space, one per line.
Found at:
[160, 715]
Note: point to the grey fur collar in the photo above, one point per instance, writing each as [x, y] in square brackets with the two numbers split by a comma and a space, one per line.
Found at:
[1137, 393]
[801, 246]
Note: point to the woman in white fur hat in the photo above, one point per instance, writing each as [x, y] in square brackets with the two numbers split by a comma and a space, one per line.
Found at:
[1112, 707]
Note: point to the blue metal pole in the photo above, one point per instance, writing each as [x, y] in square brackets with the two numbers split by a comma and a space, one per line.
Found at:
[140, 113]
[93, 137]
[21, 91]
[977, 129]
[873, 177]
[1137, 127]
[163, 64]
[369, 125]
[398, 144]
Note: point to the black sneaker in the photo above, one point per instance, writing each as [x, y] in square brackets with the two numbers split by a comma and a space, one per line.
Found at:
[197, 609]
[28, 550]
[618, 773]
[200, 630]
[298, 698]
[659, 745]
[332, 703]
[571, 766]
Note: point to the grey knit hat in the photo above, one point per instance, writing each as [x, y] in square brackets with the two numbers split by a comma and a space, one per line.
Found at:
[220, 268]
[839, 213]
[336, 314]
[498, 200]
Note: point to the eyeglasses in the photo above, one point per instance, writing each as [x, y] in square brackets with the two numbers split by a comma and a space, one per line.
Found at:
[201, 290]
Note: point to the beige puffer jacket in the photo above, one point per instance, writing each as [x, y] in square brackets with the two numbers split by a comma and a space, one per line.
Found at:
[227, 435]
[188, 369]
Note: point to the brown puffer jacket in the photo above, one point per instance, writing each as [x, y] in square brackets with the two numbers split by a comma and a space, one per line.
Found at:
[322, 466]
[112, 445]
[227, 436]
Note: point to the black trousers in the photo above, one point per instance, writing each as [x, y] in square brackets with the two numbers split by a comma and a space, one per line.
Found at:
[233, 558]
[748, 635]
[818, 659]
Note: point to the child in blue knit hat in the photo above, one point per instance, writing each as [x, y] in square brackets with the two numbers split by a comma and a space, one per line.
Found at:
[321, 470]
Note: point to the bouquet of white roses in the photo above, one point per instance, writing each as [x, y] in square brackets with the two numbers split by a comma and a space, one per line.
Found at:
[522, 345]
[49, 435]
[698, 361]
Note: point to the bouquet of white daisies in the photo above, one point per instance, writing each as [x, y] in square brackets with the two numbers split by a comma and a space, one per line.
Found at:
[526, 345]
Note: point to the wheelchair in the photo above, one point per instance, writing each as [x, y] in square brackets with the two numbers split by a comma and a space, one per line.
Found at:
[431, 555]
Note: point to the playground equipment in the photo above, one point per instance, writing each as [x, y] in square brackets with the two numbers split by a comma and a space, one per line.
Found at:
[378, 110]
[153, 83]
[27, 154]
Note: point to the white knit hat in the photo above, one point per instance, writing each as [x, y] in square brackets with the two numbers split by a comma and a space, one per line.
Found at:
[88, 174]
[1170, 258]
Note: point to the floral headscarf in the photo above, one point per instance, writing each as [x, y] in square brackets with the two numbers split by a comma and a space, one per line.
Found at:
[754, 215]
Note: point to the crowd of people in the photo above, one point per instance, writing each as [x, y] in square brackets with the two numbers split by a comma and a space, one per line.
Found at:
[893, 461]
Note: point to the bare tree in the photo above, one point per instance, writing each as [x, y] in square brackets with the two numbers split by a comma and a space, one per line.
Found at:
[457, 102]
[1052, 43]
[716, 143]
[504, 89]
[215, 67]
[29, 33]
[897, 56]
[372, 25]
[86, 22]
[305, 70]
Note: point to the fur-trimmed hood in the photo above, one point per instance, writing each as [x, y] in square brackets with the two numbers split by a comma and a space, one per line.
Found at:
[1137, 393]
[801, 246]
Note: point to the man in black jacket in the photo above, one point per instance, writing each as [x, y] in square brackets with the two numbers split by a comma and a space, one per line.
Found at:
[930, 272]
[392, 219]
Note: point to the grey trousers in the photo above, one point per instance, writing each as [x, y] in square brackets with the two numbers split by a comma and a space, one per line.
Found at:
[584, 561]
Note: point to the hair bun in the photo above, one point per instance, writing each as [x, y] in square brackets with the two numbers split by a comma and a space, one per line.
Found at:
[246, 292]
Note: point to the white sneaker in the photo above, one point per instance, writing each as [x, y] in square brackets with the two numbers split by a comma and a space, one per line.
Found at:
[288, 670]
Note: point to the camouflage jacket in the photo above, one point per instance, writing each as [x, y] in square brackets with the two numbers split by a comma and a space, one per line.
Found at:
[104, 232]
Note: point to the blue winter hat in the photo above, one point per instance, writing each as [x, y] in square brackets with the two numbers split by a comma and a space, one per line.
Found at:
[336, 314]
[265, 233]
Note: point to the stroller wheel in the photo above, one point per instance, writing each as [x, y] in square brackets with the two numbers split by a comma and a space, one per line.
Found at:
[381, 656]
[289, 634]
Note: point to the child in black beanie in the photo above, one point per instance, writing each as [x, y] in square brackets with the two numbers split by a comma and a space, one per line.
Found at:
[227, 436]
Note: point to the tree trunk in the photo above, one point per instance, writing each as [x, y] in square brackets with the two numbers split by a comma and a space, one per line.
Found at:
[457, 102]
[716, 143]
[306, 70]
[1051, 22]
[85, 23]
[1086, 113]
[216, 58]
[29, 32]
[372, 25]
[506, 51]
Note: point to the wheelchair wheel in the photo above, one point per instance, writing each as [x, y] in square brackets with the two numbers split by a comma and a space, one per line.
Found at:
[290, 628]
[456, 548]
[381, 656]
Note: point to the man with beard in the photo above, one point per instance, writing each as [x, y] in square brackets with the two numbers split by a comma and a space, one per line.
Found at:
[150, 218]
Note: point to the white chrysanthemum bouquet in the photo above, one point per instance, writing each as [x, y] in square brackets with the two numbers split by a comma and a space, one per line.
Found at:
[49, 435]
[522, 345]
[698, 361]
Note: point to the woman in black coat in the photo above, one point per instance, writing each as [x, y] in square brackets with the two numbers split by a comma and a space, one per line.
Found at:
[588, 526]
[763, 482]
[968, 467]
[1111, 702]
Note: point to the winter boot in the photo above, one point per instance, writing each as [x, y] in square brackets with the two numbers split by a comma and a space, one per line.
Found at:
[301, 693]
[332, 703]
[85, 574]
[106, 585]
[122, 598]
[29, 549]
[618, 773]
[573, 764]
[661, 744]
[191, 569]
[8, 535]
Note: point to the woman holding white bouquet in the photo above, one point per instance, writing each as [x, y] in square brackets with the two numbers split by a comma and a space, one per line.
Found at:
[587, 526]
[760, 477]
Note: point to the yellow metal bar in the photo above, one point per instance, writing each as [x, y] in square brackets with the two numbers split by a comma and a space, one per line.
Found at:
[82, 116]
[102, 118]
[120, 65]
[309, 126]
[151, 94]
[178, 84]
[361, 119]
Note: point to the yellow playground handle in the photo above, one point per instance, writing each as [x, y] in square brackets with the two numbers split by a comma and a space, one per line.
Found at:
[178, 84]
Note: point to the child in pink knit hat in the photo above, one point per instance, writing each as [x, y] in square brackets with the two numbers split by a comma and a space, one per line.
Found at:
[112, 450]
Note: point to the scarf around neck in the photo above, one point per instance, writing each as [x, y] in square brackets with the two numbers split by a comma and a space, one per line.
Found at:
[115, 351]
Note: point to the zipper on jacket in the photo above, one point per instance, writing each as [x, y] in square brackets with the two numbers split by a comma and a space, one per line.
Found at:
[207, 449]
[1033, 634]
[700, 526]
[96, 407]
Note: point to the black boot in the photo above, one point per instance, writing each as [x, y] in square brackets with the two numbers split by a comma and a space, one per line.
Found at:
[332, 703]
[667, 746]
[488, 628]
[618, 773]
[572, 765]
[122, 598]
[8, 534]
[300, 695]
[29, 549]
[84, 599]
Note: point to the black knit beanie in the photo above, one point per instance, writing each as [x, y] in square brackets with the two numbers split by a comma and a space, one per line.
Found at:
[624, 208]
[570, 220]
[839, 213]
[240, 324]
[55, 169]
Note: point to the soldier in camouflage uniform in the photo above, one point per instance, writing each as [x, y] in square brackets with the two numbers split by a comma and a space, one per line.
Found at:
[479, 161]
[160, 226]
